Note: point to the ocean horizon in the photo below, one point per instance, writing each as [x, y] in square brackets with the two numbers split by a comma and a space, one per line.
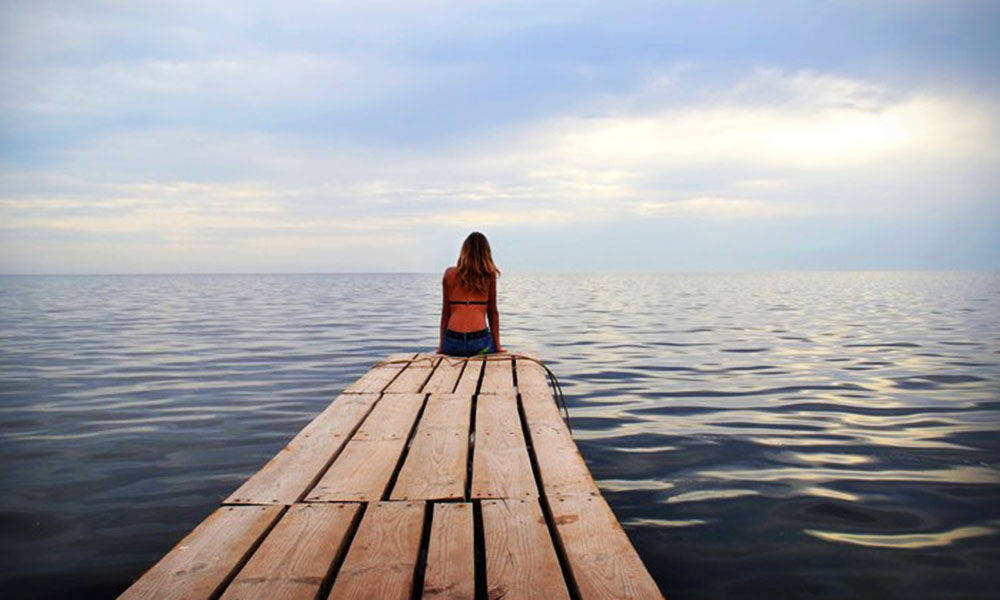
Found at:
[792, 433]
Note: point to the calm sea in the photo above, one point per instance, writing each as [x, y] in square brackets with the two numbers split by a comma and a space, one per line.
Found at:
[785, 435]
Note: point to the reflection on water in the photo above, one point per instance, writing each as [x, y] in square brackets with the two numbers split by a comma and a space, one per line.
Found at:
[791, 435]
[905, 541]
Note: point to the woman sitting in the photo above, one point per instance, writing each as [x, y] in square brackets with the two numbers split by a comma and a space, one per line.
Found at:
[470, 299]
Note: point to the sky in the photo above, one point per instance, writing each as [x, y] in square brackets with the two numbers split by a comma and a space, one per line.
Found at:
[307, 136]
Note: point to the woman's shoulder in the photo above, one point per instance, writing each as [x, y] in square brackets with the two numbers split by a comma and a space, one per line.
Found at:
[449, 272]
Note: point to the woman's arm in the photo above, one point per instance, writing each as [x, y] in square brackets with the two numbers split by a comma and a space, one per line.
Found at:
[493, 315]
[445, 310]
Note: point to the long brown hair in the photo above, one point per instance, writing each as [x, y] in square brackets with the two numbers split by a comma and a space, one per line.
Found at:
[475, 264]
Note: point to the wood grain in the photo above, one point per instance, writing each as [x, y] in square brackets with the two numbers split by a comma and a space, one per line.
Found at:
[561, 468]
[297, 555]
[437, 463]
[540, 410]
[287, 476]
[445, 377]
[392, 418]
[603, 562]
[376, 379]
[200, 564]
[414, 376]
[500, 464]
[361, 473]
[520, 558]
[498, 376]
[383, 556]
[530, 375]
[450, 571]
[468, 384]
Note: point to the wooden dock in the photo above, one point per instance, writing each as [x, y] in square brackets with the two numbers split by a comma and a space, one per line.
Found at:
[429, 477]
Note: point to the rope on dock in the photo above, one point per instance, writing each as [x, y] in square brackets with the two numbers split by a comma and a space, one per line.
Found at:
[557, 391]
[554, 382]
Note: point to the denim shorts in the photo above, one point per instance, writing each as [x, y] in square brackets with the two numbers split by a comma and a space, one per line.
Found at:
[454, 343]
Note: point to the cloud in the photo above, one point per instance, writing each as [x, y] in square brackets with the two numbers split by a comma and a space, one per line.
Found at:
[715, 207]
[768, 159]
[806, 122]
[307, 127]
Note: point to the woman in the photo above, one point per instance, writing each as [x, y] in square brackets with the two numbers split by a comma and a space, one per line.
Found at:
[470, 299]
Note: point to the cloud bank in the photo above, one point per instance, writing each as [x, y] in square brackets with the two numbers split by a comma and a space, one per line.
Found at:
[224, 137]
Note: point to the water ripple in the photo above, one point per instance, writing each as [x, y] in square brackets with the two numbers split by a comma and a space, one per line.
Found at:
[788, 435]
[907, 541]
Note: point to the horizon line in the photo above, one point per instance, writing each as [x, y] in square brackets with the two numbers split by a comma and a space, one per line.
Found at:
[515, 272]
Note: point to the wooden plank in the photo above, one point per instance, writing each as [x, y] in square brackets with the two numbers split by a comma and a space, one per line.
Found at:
[297, 555]
[450, 573]
[520, 558]
[286, 477]
[200, 564]
[445, 376]
[530, 375]
[437, 463]
[540, 410]
[498, 377]
[603, 562]
[500, 466]
[361, 473]
[468, 384]
[383, 556]
[378, 377]
[392, 418]
[412, 378]
[561, 468]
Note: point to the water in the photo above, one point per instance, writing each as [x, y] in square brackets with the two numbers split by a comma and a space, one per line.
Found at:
[795, 435]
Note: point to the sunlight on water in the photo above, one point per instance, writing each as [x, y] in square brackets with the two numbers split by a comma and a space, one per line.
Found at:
[956, 475]
[662, 523]
[706, 495]
[907, 541]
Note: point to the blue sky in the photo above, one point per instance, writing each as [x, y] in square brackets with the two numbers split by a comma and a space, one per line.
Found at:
[636, 136]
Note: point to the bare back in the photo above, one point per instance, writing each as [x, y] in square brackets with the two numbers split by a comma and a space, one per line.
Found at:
[467, 309]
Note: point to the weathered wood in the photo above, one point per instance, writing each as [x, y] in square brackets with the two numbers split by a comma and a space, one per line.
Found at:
[540, 410]
[498, 376]
[521, 561]
[561, 468]
[376, 379]
[603, 561]
[530, 375]
[361, 473]
[468, 384]
[450, 571]
[500, 466]
[383, 556]
[297, 555]
[392, 418]
[287, 476]
[412, 378]
[204, 560]
[364, 467]
[445, 376]
[437, 463]
[361, 438]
